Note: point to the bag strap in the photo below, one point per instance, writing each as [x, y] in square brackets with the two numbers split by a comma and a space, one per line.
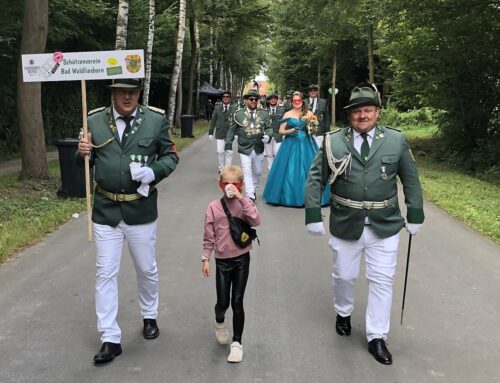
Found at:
[224, 206]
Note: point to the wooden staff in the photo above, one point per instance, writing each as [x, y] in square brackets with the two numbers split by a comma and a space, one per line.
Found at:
[87, 163]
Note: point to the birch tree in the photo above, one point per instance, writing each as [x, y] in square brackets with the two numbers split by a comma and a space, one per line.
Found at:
[149, 51]
[178, 62]
[29, 102]
[121, 25]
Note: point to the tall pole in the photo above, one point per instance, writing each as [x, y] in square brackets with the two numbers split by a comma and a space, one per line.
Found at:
[87, 162]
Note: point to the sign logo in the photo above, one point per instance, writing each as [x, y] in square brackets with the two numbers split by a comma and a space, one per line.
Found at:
[133, 63]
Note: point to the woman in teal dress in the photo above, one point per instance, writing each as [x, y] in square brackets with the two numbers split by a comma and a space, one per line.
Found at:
[287, 178]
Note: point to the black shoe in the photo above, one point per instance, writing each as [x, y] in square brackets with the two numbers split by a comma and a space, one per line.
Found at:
[379, 350]
[150, 330]
[343, 325]
[108, 352]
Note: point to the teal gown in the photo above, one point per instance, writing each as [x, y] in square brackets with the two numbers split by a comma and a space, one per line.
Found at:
[287, 178]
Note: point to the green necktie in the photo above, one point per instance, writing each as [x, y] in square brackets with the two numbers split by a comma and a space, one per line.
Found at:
[365, 147]
[128, 127]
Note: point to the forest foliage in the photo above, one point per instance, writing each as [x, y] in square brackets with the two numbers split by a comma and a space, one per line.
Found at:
[437, 58]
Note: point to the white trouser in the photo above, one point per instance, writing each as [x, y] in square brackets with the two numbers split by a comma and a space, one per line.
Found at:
[252, 170]
[319, 140]
[270, 151]
[109, 245]
[380, 259]
[224, 157]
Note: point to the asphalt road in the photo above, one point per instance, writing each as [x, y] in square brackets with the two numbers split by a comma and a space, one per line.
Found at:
[450, 332]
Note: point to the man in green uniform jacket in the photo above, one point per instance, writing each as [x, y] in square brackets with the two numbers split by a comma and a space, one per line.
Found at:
[362, 164]
[131, 150]
[276, 113]
[253, 128]
[221, 118]
[319, 107]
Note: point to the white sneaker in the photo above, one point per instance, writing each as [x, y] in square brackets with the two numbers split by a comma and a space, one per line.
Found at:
[236, 354]
[221, 333]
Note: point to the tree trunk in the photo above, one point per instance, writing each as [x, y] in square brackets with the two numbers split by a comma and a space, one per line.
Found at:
[178, 109]
[192, 65]
[319, 78]
[149, 51]
[371, 69]
[121, 25]
[178, 62]
[334, 77]
[198, 68]
[211, 60]
[29, 100]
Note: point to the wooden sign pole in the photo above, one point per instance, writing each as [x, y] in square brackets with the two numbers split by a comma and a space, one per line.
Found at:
[87, 163]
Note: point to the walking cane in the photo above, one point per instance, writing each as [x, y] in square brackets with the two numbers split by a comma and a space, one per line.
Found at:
[406, 279]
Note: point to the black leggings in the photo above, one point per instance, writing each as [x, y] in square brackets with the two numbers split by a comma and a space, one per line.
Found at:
[232, 271]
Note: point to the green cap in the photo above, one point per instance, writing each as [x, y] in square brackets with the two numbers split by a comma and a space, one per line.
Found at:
[251, 93]
[128, 83]
[362, 96]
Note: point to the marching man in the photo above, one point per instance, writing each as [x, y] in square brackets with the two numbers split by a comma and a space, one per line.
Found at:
[362, 164]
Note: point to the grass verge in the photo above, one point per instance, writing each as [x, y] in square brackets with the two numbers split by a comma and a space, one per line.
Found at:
[29, 210]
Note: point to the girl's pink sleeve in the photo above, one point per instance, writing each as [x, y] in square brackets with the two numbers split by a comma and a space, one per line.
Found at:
[252, 215]
[208, 234]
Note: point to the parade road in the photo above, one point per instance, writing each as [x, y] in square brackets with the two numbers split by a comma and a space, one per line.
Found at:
[449, 334]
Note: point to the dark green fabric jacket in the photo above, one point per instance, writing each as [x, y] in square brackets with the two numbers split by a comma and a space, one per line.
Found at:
[149, 137]
[276, 121]
[249, 131]
[375, 180]
[220, 121]
[323, 116]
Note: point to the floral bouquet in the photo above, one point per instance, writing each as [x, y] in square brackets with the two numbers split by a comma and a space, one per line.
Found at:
[312, 124]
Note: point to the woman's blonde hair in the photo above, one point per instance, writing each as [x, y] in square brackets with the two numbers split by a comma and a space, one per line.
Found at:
[304, 108]
[235, 170]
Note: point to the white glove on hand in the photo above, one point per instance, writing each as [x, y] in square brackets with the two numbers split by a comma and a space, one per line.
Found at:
[413, 228]
[210, 137]
[142, 174]
[265, 139]
[315, 228]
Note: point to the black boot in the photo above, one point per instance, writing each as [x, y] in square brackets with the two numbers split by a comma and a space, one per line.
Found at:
[108, 352]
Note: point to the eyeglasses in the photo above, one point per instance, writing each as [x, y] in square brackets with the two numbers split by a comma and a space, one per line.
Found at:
[223, 184]
[226, 96]
[252, 99]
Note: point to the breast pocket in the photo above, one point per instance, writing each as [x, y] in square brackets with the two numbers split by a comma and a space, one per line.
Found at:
[146, 147]
[390, 159]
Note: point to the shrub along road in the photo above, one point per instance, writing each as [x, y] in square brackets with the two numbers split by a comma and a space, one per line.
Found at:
[47, 321]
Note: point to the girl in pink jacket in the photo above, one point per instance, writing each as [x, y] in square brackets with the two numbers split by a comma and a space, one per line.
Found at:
[231, 262]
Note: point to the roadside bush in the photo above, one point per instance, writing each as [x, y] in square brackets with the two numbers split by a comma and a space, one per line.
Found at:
[411, 119]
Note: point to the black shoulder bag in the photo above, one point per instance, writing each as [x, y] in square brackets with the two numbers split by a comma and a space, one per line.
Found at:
[241, 232]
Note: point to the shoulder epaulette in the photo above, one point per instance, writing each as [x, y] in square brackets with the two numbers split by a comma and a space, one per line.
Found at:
[334, 131]
[389, 127]
[156, 110]
[96, 110]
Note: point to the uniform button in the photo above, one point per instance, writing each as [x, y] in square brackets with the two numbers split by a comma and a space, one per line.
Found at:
[123, 155]
[366, 188]
[122, 173]
[366, 171]
[123, 190]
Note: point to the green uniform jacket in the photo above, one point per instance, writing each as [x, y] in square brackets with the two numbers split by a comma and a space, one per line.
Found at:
[149, 137]
[375, 180]
[323, 116]
[220, 121]
[249, 131]
[276, 122]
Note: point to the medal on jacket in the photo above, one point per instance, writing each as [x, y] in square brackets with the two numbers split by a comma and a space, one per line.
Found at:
[384, 174]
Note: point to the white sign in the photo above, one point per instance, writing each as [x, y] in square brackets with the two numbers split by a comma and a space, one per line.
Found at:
[100, 65]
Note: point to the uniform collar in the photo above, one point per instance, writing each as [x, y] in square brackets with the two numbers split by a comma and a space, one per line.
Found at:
[117, 115]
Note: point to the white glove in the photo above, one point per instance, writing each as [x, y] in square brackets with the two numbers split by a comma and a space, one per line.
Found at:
[413, 228]
[210, 137]
[265, 139]
[315, 228]
[143, 175]
[236, 137]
